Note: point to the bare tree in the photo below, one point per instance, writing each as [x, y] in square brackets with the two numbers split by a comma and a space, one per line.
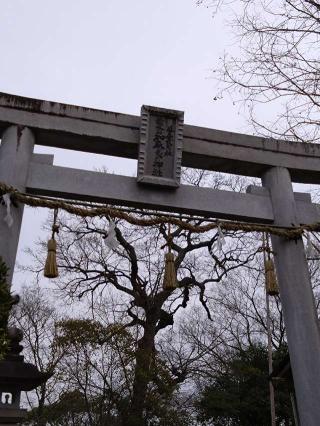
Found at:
[135, 268]
[276, 62]
[35, 316]
[94, 369]
[97, 372]
[97, 363]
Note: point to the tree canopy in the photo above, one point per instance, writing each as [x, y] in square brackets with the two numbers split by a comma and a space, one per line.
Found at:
[238, 393]
[274, 60]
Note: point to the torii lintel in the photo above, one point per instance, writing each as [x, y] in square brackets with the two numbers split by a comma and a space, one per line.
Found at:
[111, 133]
[162, 144]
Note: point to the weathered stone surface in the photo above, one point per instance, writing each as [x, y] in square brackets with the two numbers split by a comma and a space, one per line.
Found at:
[15, 154]
[160, 148]
[102, 132]
[302, 325]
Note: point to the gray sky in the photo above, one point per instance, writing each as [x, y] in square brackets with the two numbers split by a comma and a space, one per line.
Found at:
[113, 55]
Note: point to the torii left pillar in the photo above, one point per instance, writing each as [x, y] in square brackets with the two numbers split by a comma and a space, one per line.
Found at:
[16, 151]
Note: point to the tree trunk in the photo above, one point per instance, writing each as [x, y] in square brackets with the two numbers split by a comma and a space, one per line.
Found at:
[141, 375]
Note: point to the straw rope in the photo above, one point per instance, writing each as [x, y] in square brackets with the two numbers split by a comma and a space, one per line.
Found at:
[72, 208]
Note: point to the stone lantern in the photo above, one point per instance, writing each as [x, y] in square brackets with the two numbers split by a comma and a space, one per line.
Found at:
[16, 376]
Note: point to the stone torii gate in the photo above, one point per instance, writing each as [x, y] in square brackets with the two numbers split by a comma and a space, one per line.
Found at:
[162, 144]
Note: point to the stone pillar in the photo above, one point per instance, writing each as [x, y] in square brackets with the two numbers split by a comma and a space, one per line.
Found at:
[15, 154]
[301, 321]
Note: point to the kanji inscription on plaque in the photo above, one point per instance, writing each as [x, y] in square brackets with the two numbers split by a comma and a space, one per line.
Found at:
[160, 149]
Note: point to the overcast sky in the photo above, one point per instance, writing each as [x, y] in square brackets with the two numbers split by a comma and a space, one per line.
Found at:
[114, 55]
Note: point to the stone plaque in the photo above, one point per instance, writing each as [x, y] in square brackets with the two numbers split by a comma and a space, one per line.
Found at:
[160, 149]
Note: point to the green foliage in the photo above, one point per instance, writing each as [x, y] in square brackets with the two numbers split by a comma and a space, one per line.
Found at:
[161, 405]
[5, 307]
[84, 332]
[239, 394]
[89, 343]
[74, 408]
[164, 410]
[70, 408]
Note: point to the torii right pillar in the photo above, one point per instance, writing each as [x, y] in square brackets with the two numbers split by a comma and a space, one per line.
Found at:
[299, 310]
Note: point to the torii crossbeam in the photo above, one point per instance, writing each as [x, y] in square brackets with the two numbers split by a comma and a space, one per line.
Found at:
[162, 143]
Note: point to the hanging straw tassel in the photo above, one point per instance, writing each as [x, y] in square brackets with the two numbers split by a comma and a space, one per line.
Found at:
[271, 283]
[271, 279]
[51, 269]
[170, 275]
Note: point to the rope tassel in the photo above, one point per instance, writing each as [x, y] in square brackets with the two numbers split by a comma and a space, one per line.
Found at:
[170, 277]
[170, 274]
[51, 268]
[271, 279]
